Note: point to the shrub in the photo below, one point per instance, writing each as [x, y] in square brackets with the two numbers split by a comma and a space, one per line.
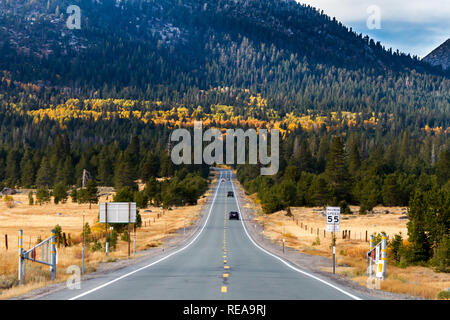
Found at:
[42, 196]
[58, 233]
[444, 295]
[112, 239]
[125, 236]
[86, 232]
[9, 201]
[74, 195]
[316, 242]
[8, 281]
[345, 209]
[30, 198]
[96, 246]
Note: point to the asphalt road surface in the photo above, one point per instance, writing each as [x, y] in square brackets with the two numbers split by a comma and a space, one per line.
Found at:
[219, 262]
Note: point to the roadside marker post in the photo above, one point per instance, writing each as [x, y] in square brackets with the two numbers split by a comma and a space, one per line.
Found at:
[369, 258]
[129, 236]
[334, 254]
[376, 256]
[383, 256]
[53, 253]
[20, 256]
[106, 228]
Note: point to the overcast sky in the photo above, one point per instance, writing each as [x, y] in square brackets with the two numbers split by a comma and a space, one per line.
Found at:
[412, 26]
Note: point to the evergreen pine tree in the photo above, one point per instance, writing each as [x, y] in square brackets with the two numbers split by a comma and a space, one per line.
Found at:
[336, 172]
[44, 175]
[28, 174]
[91, 192]
[443, 168]
[60, 193]
[318, 193]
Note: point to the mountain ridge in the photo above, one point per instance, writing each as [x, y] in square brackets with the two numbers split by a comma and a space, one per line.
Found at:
[440, 56]
[183, 52]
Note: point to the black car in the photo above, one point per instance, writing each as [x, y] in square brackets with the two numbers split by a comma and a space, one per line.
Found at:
[233, 215]
[230, 194]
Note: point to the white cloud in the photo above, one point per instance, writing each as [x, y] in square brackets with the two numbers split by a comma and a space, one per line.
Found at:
[398, 10]
[413, 26]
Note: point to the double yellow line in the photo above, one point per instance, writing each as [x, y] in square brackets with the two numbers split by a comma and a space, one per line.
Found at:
[225, 275]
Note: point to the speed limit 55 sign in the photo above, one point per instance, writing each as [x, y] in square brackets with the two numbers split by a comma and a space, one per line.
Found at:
[333, 219]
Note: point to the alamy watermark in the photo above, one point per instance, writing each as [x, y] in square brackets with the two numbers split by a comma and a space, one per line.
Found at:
[258, 151]
[74, 19]
[374, 19]
[74, 281]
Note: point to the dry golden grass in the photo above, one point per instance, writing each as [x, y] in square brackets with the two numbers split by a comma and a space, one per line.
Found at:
[351, 253]
[36, 222]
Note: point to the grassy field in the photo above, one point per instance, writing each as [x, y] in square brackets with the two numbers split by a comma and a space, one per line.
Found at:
[304, 231]
[36, 221]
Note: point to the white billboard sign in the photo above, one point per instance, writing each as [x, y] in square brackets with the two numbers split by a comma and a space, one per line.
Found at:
[118, 212]
[333, 219]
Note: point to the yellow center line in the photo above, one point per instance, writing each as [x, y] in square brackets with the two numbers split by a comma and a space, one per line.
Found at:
[226, 267]
[225, 275]
[223, 289]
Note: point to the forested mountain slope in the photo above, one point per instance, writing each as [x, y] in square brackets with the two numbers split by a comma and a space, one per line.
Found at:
[203, 53]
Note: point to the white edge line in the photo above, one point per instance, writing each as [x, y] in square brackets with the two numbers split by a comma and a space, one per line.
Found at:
[163, 258]
[284, 261]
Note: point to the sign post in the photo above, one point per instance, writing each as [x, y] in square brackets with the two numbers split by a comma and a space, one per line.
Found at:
[106, 228]
[118, 212]
[129, 236]
[333, 215]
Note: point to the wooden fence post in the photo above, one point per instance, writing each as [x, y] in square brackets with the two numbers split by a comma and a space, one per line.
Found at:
[6, 242]
[349, 234]
[64, 239]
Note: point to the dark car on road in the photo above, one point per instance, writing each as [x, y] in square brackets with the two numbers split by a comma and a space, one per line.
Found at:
[230, 194]
[233, 215]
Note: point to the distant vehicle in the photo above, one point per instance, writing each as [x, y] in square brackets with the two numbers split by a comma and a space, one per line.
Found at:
[223, 180]
[230, 194]
[233, 215]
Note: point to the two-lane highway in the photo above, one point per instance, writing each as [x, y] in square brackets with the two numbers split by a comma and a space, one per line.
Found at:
[219, 262]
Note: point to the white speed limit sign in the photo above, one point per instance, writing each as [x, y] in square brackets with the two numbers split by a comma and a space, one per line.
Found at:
[333, 219]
